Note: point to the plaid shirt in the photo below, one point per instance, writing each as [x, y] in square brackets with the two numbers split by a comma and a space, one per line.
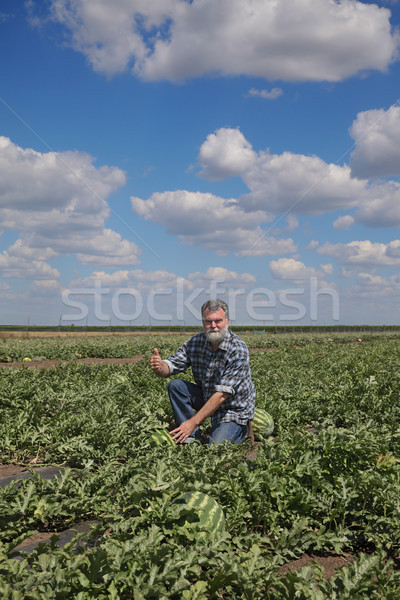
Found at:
[225, 370]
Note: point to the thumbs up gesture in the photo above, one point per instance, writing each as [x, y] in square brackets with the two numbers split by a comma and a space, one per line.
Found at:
[156, 362]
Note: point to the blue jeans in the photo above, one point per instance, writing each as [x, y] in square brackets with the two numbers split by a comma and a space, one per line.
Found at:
[186, 399]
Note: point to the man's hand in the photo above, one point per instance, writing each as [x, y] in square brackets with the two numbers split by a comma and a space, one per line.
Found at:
[155, 361]
[181, 433]
[158, 366]
[185, 429]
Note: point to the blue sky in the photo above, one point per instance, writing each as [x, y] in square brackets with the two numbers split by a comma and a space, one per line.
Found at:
[156, 154]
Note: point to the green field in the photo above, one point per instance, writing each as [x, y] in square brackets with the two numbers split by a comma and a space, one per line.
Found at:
[325, 483]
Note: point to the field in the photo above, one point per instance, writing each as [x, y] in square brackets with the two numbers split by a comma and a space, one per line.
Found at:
[311, 512]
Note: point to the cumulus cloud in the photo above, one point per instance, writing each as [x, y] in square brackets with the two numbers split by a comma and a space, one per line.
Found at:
[223, 275]
[279, 183]
[187, 213]
[24, 251]
[380, 206]
[377, 143]
[364, 253]
[300, 184]
[212, 222]
[59, 181]
[369, 279]
[130, 278]
[225, 153]
[312, 245]
[272, 94]
[288, 182]
[296, 40]
[290, 268]
[161, 279]
[24, 268]
[343, 222]
[293, 184]
[108, 248]
[57, 202]
[46, 285]
[243, 242]
[22, 262]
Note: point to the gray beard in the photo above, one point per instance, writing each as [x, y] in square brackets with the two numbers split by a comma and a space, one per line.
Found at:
[216, 337]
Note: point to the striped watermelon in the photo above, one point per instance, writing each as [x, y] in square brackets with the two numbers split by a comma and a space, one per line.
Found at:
[118, 378]
[162, 436]
[206, 516]
[263, 423]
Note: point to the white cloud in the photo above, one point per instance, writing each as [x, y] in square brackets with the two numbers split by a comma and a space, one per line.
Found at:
[244, 242]
[63, 182]
[57, 202]
[272, 94]
[369, 279]
[225, 153]
[292, 222]
[377, 143]
[328, 269]
[108, 248]
[134, 278]
[293, 40]
[161, 280]
[393, 249]
[223, 275]
[364, 253]
[19, 267]
[343, 222]
[289, 268]
[23, 262]
[312, 245]
[299, 184]
[279, 183]
[381, 206]
[21, 250]
[186, 213]
[201, 219]
[47, 285]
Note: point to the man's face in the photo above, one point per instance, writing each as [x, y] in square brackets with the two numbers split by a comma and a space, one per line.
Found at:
[215, 325]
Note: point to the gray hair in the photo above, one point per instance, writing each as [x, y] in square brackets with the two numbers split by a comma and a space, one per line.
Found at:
[213, 306]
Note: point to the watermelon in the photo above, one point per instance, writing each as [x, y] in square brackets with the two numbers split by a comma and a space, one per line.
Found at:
[203, 518]
[263, 423]
[118, 378]
[162, 436]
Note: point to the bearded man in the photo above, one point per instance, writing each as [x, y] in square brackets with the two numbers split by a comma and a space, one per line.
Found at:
[223, 388]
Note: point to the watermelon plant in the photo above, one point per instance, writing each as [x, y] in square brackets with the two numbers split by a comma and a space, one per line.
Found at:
[201, 521]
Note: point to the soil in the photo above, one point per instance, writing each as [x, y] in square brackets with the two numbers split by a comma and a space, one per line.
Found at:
[329, 562]
[10, 470]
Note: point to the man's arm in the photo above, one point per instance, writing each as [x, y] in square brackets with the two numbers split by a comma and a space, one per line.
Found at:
[181, 433]
[157, 365]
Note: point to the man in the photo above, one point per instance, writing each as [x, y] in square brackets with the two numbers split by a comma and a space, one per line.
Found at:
[223, 390]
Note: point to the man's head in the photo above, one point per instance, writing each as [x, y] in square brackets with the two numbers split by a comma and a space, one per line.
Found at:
[215, 315]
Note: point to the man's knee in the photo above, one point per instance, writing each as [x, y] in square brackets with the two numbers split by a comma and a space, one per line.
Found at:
[174, 384]
[228, 432]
